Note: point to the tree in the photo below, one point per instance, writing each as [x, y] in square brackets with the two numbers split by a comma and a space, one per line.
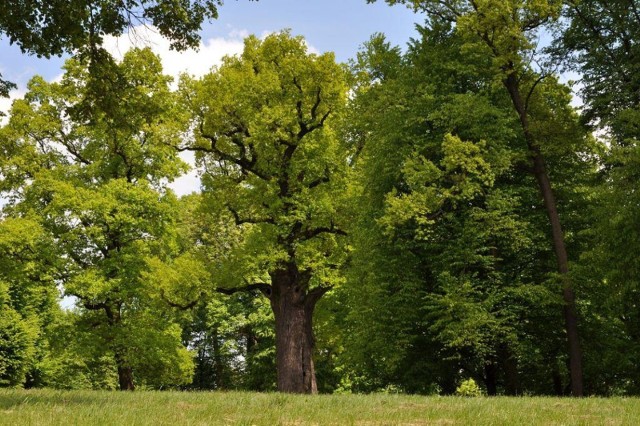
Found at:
[93, 175]
[265, 137]
[505, 31]
[232, 335]
[27, 297]
[445, 221]
[599, 41]
[47, 28]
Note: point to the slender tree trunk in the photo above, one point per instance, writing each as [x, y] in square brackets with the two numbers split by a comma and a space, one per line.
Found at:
[293, 310]
[542, 177]
[218, 363]
[491, 378]
[510, 367]
[557, 381]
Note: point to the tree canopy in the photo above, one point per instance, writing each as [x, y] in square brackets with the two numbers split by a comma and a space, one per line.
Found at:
[415, 220]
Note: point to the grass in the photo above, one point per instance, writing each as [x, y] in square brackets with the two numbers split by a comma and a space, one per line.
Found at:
[48, 407]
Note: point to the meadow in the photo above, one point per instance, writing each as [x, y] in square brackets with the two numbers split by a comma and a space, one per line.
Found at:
[49, 407]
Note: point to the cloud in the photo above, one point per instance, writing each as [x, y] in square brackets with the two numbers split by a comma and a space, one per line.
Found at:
[190, 181]
[196, 62]
[5, 104]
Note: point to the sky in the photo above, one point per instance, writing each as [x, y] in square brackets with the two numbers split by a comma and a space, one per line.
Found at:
[340, 26]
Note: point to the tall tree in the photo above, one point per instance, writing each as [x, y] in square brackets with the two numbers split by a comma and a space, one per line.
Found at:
[505, 30]
[446, 212]
[28, 297]
[599, 41]
[265, 137]
[94, 175]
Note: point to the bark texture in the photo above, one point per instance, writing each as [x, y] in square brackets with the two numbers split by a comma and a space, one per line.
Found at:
[125, 374]
[293, 307]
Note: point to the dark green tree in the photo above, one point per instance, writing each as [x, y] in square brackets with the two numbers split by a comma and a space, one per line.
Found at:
[47, 28]
[505, 32]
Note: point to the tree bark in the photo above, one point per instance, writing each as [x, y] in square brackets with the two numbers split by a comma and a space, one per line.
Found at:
[510, 367]
[293, 308]
[491, 378]
[125, 373]
[512, 85]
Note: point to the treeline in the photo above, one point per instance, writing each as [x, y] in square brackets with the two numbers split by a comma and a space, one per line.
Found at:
[403, 223]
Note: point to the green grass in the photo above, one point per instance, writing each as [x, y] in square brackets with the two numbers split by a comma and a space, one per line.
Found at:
[47, 407]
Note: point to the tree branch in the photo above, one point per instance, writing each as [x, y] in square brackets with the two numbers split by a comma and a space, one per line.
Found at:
[182, 307]
[316, 294]
[311, 233]
[240, 221]
[324, 179]
[265, 289]
[526, 101]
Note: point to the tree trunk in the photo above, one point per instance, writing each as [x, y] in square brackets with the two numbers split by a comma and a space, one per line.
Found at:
[540, 172]
[510, 367]
[125, 373]
[491, 378]
[293, 310]
[557, 381]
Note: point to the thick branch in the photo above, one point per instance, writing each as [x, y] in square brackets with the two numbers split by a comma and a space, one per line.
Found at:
[324, 179]
[240, 221]
[265, 289]
[246, 164]
[182, 307]
[316, 294]
[93, 306]
[314, 232]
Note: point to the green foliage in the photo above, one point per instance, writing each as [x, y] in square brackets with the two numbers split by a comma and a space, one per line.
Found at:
[56, 27]
[278, 164]
[94, 175]
[469, 388]
[401, 180]
[27, 297]
[17, 338]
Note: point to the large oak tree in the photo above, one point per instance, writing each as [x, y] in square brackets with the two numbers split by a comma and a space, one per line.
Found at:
[265, 135]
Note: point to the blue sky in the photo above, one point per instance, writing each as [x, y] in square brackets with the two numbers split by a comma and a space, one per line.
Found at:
[328, 25]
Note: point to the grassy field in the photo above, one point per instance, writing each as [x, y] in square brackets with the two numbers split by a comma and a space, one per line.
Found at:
[46, 407]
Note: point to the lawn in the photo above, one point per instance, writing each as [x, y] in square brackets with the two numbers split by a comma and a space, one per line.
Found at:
[47, 407]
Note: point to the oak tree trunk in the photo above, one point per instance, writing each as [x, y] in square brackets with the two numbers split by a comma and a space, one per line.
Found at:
[512, 85]
[293, 310]
[125, 373]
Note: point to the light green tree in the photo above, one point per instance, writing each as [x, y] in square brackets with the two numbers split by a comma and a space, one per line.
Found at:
[27, 298]
[265, 137]
[93, 172]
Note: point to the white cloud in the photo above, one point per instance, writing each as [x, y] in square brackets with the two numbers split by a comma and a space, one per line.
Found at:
[195, 62]
[5, 103]
[189, 182]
